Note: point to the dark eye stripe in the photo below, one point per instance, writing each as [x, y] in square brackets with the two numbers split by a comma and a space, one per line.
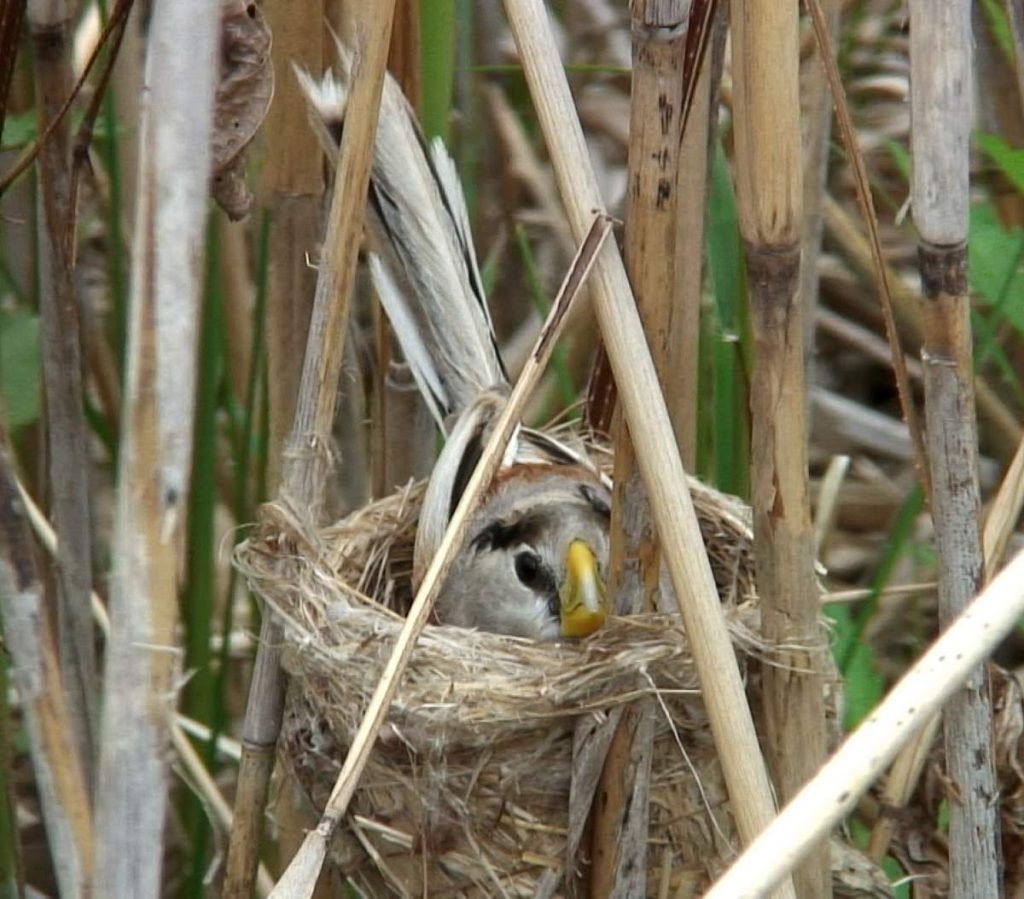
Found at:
[508, 534]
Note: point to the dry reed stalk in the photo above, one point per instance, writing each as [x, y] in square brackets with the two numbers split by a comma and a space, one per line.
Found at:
[647, 418]
[35, 673]
[900, 783]
[307, 455]
[402, 437]
[817, 143]
[300, 877]
[920, 693]
[1003, 513]
[156, 447]
[404, 55]
[940, 144]
[67, 447]
[206, 790]
[659, 32]
[1004, 430]
[293, 187]
[766, 113]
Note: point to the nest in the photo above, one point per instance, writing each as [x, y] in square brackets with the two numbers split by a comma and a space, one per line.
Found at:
[467, 790]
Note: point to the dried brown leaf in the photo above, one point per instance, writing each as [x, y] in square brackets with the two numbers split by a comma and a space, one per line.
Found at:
[243, 98]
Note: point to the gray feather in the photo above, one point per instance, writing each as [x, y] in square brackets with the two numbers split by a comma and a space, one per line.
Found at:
[419, 219]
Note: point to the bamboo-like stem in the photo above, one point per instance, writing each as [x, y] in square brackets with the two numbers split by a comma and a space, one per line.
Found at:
[35, 672]
[940, 144]
[766, 112]
[293, 185]
[402, 439]
[647, 418]
[67, 449]
[659, 31]
[299, 879]
[207, 790]
[922, 691]
[156, 446]
[307, 456]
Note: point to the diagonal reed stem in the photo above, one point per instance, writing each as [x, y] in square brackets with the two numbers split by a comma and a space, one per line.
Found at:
[647, 417]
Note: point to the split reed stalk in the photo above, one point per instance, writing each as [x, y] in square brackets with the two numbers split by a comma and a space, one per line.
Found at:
[58, 769]
[647, 417]
[307, 457]
[940, 143]
[659, 30]
[766, 111]
[67, 448]
[156, 448]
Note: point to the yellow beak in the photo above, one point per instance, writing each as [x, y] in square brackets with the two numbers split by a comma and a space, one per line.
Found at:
[583, 594]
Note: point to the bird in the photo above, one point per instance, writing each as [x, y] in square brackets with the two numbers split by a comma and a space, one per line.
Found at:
[534, 561]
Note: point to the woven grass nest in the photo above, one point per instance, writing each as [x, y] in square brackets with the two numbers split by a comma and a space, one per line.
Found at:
[467, 790]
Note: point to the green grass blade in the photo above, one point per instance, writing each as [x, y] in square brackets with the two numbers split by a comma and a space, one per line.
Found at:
[731, 350]
[200, 580]
[437, 68]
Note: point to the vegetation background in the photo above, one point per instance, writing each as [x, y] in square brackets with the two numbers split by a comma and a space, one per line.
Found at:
[151, 351]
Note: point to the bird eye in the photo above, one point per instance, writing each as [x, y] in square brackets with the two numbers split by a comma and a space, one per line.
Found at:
[527, 568]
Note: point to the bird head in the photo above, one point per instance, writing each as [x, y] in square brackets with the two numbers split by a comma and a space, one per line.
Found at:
[535, 560]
